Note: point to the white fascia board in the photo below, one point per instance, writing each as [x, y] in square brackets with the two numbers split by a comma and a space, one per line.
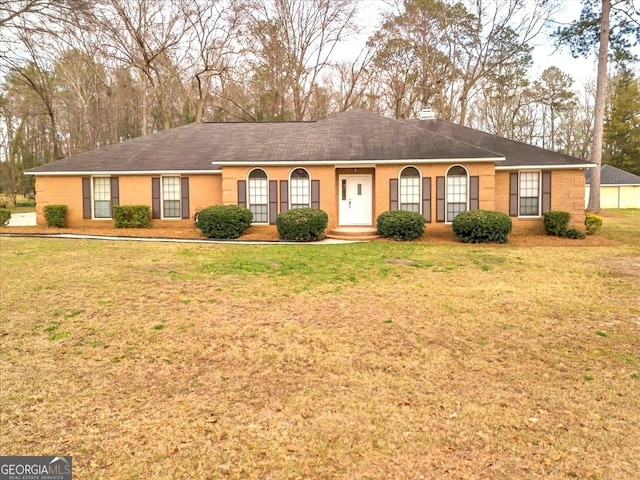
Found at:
[127, 172]
[618, 184]
[360, 163]
[546, 167]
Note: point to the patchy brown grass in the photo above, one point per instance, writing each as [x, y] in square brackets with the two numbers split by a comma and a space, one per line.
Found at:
[379, 360]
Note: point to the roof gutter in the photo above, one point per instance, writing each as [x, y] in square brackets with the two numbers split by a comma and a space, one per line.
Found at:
[124, 172]
[547, 167]
[351, 163]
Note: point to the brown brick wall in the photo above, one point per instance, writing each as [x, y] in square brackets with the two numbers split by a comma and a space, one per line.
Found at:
[204, 190]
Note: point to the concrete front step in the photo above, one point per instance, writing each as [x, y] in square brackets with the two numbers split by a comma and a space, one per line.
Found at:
[353, 233]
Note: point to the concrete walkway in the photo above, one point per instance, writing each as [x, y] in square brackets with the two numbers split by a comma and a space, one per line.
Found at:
[326, 241]
[22, 220]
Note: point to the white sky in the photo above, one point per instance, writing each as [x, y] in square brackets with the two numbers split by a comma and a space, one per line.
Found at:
[545, 54]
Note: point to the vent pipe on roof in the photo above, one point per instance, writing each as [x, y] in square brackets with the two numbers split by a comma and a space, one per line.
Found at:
[427, 114]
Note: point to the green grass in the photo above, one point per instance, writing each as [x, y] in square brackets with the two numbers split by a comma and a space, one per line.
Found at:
[622, 225]
[374, 360]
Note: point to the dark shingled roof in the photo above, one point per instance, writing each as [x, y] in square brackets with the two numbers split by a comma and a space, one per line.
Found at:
[614, 176]
[191, 147]
[356, 135]
[515, 153]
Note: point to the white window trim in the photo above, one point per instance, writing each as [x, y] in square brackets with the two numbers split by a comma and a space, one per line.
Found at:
[539, 172]
[419, 187]
[290, 189]
[446, 192]
[93, 199]
[249, 191]
[179, 217]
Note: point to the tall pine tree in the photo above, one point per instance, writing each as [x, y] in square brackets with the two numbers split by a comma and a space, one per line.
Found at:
[622, 126]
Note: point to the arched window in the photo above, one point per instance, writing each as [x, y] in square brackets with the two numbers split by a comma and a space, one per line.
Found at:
[410, 190]
[300, 188]
[457, 191]
[258, 196]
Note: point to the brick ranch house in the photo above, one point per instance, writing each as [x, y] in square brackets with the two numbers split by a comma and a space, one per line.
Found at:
[354, 165]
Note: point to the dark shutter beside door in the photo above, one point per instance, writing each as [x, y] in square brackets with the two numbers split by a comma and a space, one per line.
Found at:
[242, 193]
[426, 198]
[184, 197]
[393, 194]
[546, 191]
[284, 196]
[155, 197]
[315, 193]
[440, 200]
[86, 197]
[513, 194]
[273, 201]
[474, 193]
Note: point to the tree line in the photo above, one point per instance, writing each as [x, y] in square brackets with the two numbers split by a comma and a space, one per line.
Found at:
[81, 74]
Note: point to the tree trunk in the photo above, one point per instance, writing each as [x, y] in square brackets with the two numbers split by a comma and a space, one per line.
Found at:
[598, 125]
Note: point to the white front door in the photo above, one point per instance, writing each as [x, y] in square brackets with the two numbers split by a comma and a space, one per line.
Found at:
[355, 198]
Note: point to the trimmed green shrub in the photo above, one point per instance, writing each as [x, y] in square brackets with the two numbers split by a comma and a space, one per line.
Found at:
[593, 223]
[556, 222]
[27, 203]
[223, 221]
[55, 215]
[131, 216]
[5, 215]
[400, 225]
[302, 224]
[574, 234]
[482, 226]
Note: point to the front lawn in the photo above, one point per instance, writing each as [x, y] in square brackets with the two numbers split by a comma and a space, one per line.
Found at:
[377, 360]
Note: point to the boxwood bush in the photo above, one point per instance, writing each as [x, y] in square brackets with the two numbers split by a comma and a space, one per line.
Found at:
[400, 225]
[593, 223]
[223, 221]
[302, 224]
[574, 234]
[5, 215]
[482, 226]
[56, 215]
[131, 216]
[556, 222]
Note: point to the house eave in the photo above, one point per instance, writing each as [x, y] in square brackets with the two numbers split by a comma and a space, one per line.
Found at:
[544, 167]
[75, 173]
[360, 163]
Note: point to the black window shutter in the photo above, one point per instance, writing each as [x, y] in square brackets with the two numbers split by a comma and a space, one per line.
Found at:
[474, 193]
[273, 201]
[513, 194]
[115, 191]
[393, 194]
[546, 191]
[86, 197]
[315, 193]
[184, 196]
[284, 195]
[242, 193]
[440, 200]
[426, 198]
[155, 197]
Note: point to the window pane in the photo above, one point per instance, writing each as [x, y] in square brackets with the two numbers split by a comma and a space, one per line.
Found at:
[102, 197]
[171, 197]
[258, 196]
[299, 191]
[409, 192]
[172, 208]
[456, 193]
[529, 193]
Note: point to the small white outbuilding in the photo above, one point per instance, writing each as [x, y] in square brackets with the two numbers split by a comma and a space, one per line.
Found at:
[618, 189]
